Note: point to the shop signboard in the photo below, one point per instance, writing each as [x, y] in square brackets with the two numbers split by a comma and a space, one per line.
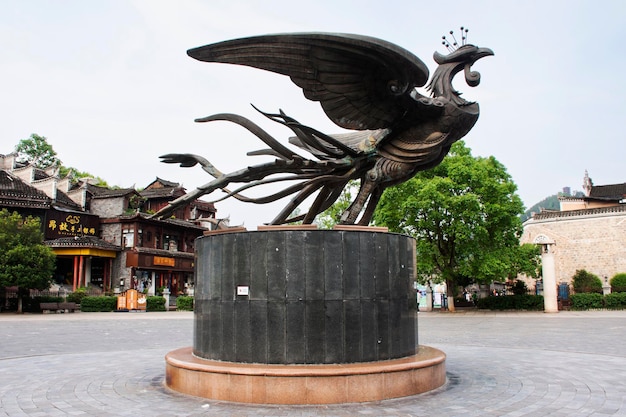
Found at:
[63, 224]
[131, 300]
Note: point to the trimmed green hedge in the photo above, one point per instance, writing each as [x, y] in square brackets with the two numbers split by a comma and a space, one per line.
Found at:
[615, 301]
[184, 302]
[512, 302]
[109, 303]
[155, 303]
[101, 303]
[586, 301]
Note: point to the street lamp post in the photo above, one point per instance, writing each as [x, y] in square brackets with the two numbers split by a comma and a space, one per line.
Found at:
[606, 287]
[548, 271]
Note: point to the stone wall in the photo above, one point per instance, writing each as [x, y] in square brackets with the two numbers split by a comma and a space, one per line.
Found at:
[120, 270]
[112, 233]
[108, 207]
[594, 240]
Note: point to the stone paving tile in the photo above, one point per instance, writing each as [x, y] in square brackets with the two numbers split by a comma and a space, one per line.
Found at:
[498, 364]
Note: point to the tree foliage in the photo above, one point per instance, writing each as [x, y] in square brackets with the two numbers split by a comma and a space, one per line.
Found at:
[465, 216]
[37, 151]
[76, 174]
[586, 282]
[618, 282]
[332, 215]
[519, 288]
[25, 262]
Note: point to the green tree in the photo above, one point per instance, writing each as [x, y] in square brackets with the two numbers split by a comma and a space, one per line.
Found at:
[25, 262]
[465, 216]
[618, 282]
[76, 174]
[525, 259]
[584, 281]
[519, 288]
[36, 150]
[332, 215]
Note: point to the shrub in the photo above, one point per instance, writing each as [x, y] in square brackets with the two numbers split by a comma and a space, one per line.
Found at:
[155, 303]
[618, 283]
[519, 288]
[77, 296]
[184, 302]
[586, 301]
[586, 282]
[512, 302]
[615, 301]
[102, 303]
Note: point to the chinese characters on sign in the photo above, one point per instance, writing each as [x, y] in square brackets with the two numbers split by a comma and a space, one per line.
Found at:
[164, 261]
[62, 224]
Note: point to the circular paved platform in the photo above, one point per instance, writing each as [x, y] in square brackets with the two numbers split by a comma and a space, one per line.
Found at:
[305, 384]
[498, 364]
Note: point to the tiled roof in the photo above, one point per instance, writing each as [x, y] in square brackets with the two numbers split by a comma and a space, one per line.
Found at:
[183, 223]
[164, 192]
[102, 192]
[203, 205]
[549, 214]
[145, 216]
[40, 174]
[82, 242]
[16, 193]
[63, 200]
[163, 252]
[608, 192]
[167, 183]
[160, 182]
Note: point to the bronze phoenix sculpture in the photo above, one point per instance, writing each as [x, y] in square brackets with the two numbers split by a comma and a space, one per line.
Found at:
[362, 83]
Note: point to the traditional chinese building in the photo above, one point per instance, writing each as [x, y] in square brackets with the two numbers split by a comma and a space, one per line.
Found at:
[589, 232]
[103, 237]
[160, 192]
[73, 234]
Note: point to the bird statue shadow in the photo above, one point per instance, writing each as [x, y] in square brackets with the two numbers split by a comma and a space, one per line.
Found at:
[363, 84]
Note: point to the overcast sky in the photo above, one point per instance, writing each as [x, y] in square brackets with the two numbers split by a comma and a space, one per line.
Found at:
[111, 87]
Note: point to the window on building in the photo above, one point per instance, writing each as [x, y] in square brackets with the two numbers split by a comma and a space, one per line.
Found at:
[171, 242]
[128, 236]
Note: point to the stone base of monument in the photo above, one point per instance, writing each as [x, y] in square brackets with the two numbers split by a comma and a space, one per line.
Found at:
[305, 384]
[295, 315]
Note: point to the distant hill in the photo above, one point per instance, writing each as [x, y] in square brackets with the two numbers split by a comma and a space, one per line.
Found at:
[548, 203]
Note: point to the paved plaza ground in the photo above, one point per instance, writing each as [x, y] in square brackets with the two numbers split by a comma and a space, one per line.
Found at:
[499, 364]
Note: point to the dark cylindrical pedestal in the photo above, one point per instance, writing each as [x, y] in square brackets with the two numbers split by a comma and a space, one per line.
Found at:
[305, 297]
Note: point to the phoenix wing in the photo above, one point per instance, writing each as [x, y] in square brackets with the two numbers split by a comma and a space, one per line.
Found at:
[361, 82]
